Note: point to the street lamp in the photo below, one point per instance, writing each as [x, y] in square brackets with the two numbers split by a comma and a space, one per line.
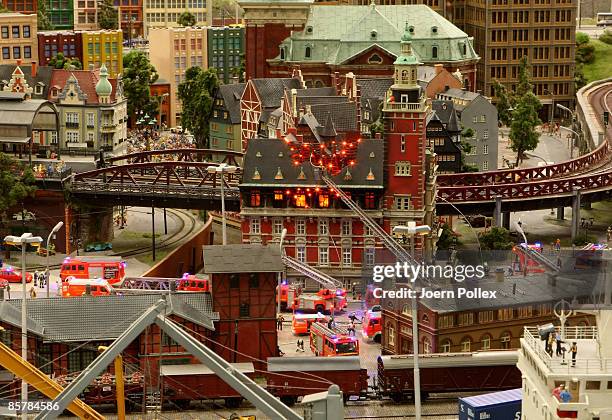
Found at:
[55, 229]
[586, 224]
[221, 169]
[571, 145]
[23, 240]
[413, 230]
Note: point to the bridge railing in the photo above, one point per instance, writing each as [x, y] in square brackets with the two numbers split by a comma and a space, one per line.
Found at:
[527, 190]
[184, 155]
[601, 154]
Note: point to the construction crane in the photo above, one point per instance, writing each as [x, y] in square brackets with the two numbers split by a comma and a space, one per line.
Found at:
[12, 362]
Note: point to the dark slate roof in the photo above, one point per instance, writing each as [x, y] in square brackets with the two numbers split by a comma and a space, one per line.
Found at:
[343, 114]
[242, 258]
[447, 114]
[103, 317]
[460, 93]
[329, 128]
[271, 90]
[302, 101]
[267, 156]
[231, 95]
[320, 91]
[374, 88]
[43, 74]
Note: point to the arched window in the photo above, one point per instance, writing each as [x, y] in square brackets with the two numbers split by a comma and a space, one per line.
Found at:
[426, 345]
[308, 52]
[464, 49]
[485, 342]
[375, 59]
[404, 75]
[282, 53]
[504, 340]
[466, 344]
[446, 346]
[434, 52]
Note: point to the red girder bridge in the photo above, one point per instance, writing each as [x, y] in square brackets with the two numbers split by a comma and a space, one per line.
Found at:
[183, 182]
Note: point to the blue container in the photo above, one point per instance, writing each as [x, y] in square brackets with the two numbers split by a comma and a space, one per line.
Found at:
[504, 405]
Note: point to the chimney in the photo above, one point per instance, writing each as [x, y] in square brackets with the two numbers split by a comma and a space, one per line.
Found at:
[337, 83]
[377, 136]
[18, 62]
[308, 109]
[358, 104]
[301, 113]
[294, 102]
[34, 69]
[439, 68]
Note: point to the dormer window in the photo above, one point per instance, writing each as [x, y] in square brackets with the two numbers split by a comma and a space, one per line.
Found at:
[282, 53]
[464, 48]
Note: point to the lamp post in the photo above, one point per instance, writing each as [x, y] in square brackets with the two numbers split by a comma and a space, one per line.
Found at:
[55, 229]
[23, 240]
[279, 294]
[221, 169]
[571, 146]
[412, 230]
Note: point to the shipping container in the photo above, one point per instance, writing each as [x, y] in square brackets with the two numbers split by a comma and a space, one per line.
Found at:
[503, 405]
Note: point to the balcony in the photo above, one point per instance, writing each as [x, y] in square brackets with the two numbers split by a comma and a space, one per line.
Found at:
[106, 127]
[588, 360]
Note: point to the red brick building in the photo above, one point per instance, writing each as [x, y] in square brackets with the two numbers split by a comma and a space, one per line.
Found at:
[50, 43]
[161, 88]
[268, 23]
[21, 6]
[130, 13]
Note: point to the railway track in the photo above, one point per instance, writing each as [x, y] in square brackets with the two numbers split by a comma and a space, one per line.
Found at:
[143, 250]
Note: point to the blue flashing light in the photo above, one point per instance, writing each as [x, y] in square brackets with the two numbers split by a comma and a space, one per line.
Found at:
[538, 244]
[284, 282]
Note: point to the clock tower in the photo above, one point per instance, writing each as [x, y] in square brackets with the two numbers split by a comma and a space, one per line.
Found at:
[409, 164]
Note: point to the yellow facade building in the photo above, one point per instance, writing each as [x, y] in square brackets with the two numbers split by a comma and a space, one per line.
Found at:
[103, 47]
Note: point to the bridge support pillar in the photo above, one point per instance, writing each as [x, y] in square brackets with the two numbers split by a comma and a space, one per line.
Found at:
[575, 213]
[587, 205]
[497, 215]
[560, 213]
[506, 220]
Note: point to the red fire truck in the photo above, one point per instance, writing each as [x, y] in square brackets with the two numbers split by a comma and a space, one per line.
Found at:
[322, 301]
[371, 326]
[328, 342]
[111, 269]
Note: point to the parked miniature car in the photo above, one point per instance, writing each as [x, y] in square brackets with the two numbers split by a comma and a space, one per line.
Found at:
[13, 276]
[98, 246]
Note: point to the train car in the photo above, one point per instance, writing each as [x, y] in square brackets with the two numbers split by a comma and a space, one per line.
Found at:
[290, 378]
[449, 372]
[332, 342]
[183, 383]
[108, 268]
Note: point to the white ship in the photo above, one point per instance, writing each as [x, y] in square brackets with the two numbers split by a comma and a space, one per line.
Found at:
[588, 380]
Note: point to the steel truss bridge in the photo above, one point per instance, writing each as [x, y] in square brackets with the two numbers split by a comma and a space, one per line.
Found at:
[179, 178]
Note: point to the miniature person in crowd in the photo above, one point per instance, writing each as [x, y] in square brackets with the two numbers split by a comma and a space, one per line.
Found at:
[279, 322]
[351, 328]
[557, 391]
[565, 396]
[559, 342]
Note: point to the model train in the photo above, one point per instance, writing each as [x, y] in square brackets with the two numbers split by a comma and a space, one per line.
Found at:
[448, 372]
[290, 378]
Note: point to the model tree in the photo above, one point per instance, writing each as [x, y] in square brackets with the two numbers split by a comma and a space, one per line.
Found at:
[186, 19]
[108, 16]
[44, 23]
[504, 115]
[16, 183]
[138, 75]
[523, 134]
[60, 62]
[196, 94]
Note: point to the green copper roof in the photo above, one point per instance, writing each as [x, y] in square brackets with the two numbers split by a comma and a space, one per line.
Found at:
[407, 60]
[335, 34]
[104, 87]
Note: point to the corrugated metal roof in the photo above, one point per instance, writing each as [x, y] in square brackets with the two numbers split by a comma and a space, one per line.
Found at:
[491, 358]
[103, 317]
[312, 364]
[242, 258]
[494, 398]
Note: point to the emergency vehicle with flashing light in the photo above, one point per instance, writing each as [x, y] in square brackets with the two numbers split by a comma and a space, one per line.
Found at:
[109, 268]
